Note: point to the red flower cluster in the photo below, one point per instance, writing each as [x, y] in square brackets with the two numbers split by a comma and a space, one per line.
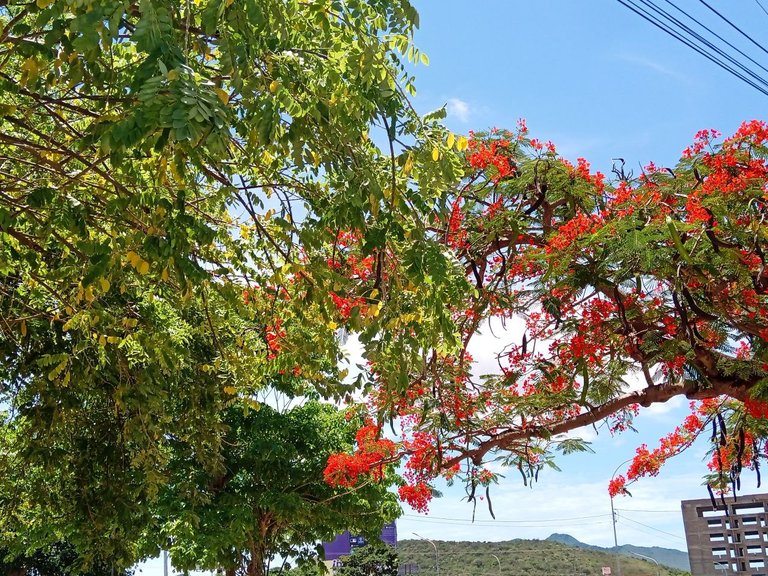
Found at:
[756, 408]
[649, 462]
[417, 496]
[345, 305]
[369, 458]
[569, 232]
[274, 335]
[496, 154]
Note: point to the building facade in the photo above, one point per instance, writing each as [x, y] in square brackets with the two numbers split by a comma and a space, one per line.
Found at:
[727, 539]
[346, 542]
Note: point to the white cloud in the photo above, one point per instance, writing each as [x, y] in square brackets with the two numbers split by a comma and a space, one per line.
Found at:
[458, 109]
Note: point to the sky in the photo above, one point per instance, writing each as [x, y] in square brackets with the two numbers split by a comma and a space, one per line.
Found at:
[601, 83]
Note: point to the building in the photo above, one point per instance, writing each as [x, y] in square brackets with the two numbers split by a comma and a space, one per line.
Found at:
[727, 539]
[346, 542]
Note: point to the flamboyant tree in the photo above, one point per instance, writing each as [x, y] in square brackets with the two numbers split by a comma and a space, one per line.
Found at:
[606, 297]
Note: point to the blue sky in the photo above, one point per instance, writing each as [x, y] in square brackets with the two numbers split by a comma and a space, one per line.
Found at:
[601, 83]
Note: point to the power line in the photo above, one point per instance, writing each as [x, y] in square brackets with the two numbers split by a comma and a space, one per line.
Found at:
[652, 528]
[692, 44]
[486, 523]
[679, 37]
[739, 30]
[509, 521]
[644, 511]
[762, 7]
[716, 35]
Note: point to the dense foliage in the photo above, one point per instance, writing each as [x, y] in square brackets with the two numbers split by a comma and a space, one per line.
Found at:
[269, 499]
[369, 560]
[606, 297]
[59, 559]
[179, 183]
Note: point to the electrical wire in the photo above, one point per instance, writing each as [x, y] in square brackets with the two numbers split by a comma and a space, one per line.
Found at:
[716, 35]
[652, 528]
[668, 30]
[510, 521]
[732, 25]
[647, 511]
[485, 523]
[762, 7]
[691, 44]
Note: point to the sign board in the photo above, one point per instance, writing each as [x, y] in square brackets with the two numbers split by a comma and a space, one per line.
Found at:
[606, 571]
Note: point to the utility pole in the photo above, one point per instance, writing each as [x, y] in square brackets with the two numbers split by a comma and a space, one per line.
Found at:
[613, 518]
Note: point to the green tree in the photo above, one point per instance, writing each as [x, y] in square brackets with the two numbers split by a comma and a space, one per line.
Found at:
[370, 560]
[191, 206]
[59, 559]
[270, 498]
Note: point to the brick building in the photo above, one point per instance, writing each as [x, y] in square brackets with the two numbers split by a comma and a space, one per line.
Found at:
[727, 540]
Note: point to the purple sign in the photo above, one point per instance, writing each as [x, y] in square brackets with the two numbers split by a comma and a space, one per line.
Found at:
[345, 543]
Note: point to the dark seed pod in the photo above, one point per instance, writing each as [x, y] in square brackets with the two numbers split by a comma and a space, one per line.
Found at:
[712, 496]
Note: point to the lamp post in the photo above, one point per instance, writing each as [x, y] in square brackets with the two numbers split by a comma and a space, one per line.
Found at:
[499, 561]
[613, 518]
[658, 567]
[722, 566]
[437, 559]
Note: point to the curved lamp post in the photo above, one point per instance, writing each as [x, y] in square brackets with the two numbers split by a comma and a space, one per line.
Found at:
[437, 559]
[658, 567]
[499, 561]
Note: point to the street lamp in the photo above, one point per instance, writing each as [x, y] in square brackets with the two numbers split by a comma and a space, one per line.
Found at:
[658, 568]
[613, 518]
[437, 559]
[499, 561]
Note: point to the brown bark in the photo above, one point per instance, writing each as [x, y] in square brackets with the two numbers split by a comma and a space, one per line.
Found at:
[738, 389]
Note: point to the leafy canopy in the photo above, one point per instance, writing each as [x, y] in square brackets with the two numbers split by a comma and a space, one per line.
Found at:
[180, 184]
[604, 297]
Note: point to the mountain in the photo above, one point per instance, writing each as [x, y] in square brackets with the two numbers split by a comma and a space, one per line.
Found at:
[666, 556]
[523, 558]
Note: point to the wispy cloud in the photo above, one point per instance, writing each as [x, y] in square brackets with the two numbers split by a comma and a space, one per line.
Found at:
[459, 109]
[650, 65]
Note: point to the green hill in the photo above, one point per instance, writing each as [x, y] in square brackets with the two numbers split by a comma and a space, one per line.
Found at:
[519, 558]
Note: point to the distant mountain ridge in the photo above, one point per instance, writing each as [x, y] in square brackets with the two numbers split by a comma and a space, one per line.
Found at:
[666, 556]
